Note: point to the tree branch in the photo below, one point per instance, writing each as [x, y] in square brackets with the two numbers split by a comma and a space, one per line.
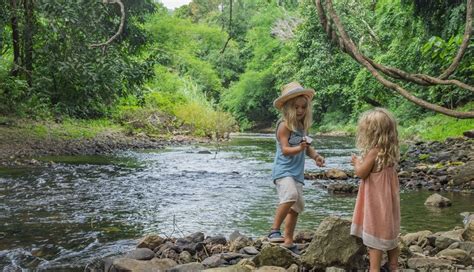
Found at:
[355, 53]
[122, 23]
[230, 28]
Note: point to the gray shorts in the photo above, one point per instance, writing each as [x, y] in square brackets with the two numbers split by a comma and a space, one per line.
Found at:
[289, 190]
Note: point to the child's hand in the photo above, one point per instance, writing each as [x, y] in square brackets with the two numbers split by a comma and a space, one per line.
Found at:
[304, 144]
[320, 161]
[354, 159]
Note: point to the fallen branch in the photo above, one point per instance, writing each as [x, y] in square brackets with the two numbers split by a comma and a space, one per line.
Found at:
[122, 23]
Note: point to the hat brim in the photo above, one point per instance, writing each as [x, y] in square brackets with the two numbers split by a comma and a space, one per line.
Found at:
[280, 101]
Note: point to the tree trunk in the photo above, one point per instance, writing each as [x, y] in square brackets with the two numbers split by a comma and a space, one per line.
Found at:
[28, 38]
[15, 38]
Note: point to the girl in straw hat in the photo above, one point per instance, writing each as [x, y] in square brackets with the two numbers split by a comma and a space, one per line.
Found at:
[288, 168]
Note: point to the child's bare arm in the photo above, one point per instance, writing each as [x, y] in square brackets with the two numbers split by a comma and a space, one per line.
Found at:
[363, 168]
[311, 152]
[283, 134]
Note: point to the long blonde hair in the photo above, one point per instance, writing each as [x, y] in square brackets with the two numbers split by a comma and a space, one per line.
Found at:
[289, 115]
[377, 128]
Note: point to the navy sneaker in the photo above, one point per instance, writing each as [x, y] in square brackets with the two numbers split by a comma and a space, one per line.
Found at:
[293, 248]
[275, 236]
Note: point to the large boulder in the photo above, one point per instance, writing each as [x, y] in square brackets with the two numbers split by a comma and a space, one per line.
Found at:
[154, 265]
[332, 245]
[274, 255]
[140, 254]
[436, 200]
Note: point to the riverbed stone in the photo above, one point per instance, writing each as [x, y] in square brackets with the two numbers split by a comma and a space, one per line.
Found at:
[232, 268]
[275, 255]
[443, 242]
[464, 174]
[216, 240]
[185, 257]
[436, 200]
[468, 247]
[140, 254]
[332, 245]
[188, 267]
[426, 264]
[416, 248]
[336, 174]
[304, 236]
[468, 233]
[151, 241]
[457, 254]
[214, 261]
[415, 238]
[270, 269]
[250, 250]
[239, 243]
[155, 264]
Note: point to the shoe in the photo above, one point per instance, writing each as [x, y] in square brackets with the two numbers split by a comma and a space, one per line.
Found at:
[293, 248]
[275, 236]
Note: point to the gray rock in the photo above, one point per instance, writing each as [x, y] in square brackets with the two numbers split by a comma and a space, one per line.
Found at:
[333, 245]
[140, 254]
[214, 261]
[271, 269]
[188, 267]
[416, 248]
[468, 232]
[216, 240]
[232, 268]
[459, 255]
[334, 269]
[468, 247]
[239, 243]
[416, 237]
[304, 236]
[464, 174]
[436, 200]
[443, 242]
[196, 237]
[426, 264]
[185, 257]
[234, 235]
[249, 250]
[273, 255]
[151, 241]
[155, 264]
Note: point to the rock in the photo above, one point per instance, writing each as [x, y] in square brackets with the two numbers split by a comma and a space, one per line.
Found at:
[416, 237]
[293, 268]
[459, 255]
[464, 174]
[249, 250]
[304, 236]
[336, 174]
[239, 243]
[216, 240]
[416, 248]
[454, 245]
[214, 261]
[151, 241]
[140, 254]
[469, 133]
[332, 245]
[188, 267]
[437, 200]
[443, 242]
[234, 235]
[204, 152]
[468, 232]
[468, 247]
[273, 255]
[334, 269]
[196, 237]
[155, 264]
[233, 268]
[425, 264]
[271, 269]
[403, 174]
[185, 257]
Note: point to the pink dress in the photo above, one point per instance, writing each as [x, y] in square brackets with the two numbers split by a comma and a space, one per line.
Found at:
[376, 216]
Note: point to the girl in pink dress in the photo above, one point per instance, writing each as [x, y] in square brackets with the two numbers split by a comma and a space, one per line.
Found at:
[376, 216]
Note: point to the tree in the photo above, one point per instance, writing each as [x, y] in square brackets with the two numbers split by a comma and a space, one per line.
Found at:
[330, 20]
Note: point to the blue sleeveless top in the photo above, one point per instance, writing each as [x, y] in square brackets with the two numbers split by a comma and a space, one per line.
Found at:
[289, 166]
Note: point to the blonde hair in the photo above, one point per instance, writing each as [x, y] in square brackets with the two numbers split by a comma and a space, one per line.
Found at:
[377, 128]
[289, 114]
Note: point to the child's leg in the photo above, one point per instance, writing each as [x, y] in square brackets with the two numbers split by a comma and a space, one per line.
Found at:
[393, 259]
[281, 213]
[290, 224]
[375, 258]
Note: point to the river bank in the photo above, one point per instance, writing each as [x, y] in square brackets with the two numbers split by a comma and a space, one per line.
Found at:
[321, 250]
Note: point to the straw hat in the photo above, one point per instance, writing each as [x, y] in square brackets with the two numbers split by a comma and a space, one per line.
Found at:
[290, 91]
